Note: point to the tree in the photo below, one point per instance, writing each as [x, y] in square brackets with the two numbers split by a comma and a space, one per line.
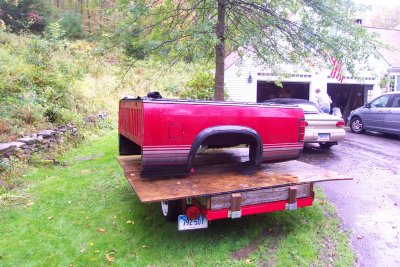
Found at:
[274, 30]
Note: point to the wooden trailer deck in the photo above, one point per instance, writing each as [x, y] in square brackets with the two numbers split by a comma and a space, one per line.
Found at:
[218, 177]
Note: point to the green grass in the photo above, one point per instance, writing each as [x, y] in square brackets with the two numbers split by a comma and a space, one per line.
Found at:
[79, 215]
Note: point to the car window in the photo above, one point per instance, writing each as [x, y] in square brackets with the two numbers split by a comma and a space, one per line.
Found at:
[309, 108]
[396, 101]
[380, 102]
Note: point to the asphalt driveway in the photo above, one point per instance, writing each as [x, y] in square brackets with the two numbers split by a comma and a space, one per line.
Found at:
[369, 205]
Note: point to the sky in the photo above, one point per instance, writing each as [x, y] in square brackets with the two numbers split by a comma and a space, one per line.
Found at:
[387, 3]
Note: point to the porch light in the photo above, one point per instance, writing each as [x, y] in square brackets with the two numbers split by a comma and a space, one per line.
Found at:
[250, 79]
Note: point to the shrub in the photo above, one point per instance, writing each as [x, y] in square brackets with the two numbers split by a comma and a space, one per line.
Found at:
[71, 23]
[22, 14]
[54, 31]
[200, 87]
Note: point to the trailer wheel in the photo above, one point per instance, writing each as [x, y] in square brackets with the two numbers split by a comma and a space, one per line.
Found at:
[171, 209]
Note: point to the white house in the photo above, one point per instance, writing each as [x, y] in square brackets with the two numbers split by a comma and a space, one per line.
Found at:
[247, 81]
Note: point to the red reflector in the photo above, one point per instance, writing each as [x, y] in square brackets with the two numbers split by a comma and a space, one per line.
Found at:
[340, 124]
[193, 213]
[302, 129]
[306, 123]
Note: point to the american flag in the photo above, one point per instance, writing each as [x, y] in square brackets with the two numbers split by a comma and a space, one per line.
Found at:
[337, 71]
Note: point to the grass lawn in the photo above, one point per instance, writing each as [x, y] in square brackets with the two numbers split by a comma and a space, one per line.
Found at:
[86, 214]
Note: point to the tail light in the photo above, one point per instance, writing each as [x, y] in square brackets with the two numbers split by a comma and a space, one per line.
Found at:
[302, 129]
[193, 213]
[340, 124]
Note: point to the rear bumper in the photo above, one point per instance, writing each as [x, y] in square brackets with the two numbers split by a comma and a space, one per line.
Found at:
[336, 135]
[258, 208]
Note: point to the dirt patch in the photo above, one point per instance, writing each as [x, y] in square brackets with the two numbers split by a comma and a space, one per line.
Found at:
[327, 253]
[245, 252]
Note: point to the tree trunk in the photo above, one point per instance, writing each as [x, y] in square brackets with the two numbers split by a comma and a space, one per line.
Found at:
[220, 52]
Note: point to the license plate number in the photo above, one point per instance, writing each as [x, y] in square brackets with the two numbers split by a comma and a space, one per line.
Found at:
[324, 136]
[185, 224]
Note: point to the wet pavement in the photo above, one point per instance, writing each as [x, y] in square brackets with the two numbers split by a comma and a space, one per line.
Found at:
[368, 205]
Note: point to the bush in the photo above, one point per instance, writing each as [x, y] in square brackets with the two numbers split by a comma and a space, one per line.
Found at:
[200, 87]
[22, 15]
[71, 23]
[54, 31]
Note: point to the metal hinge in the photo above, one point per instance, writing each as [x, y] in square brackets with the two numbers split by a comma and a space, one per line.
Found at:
[234, 214]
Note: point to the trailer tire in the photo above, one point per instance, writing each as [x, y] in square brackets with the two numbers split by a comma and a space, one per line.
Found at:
[171, 209]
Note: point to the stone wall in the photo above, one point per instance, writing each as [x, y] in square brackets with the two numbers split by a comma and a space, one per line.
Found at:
[28, 144]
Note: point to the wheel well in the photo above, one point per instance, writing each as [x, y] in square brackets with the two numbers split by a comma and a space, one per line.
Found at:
[228, 136]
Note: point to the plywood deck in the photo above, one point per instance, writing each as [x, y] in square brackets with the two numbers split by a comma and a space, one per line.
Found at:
[213, 179]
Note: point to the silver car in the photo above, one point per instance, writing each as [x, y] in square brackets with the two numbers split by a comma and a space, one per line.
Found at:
[325, 129]
[380, 115]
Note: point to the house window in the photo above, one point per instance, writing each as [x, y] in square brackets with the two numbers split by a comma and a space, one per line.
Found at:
[392, 83]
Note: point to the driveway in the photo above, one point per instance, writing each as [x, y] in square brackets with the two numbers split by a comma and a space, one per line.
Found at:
[368, 205]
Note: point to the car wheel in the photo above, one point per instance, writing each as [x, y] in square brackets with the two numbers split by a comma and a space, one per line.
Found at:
[171, 209]
[326, 145]
[356, 125]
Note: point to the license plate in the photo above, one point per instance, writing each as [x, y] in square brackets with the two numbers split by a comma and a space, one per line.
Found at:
[324, 136]
[185, 224]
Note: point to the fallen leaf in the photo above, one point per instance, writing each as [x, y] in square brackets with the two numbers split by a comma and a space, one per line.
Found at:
[50, 218]
[101, 230]
[96, 251]
[113, 251]
[87, 217]
[110, 258]
[144, 246]
[82, 250]
[29, 204]
[130, 222]
[248, 261]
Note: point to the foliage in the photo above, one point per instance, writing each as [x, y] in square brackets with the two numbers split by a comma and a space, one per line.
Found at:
[277, 32]
[54, 80]
[23, 14]
[71, 23]
[85, 210]
[201, 87]
[54, 31]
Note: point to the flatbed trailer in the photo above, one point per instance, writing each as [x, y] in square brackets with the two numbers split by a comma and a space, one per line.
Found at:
[220, 188]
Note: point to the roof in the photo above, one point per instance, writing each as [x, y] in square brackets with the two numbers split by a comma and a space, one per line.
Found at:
[390, 37]
[231, 59]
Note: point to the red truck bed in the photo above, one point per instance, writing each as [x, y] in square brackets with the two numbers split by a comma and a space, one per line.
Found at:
[168, 133]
